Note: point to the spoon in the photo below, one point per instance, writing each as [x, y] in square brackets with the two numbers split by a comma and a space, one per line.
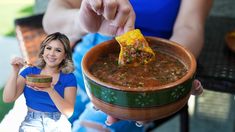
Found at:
[27, 64]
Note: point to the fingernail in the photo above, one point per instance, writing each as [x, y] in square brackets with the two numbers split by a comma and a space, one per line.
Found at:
[139, 124]
[108, 123]
[199, 85]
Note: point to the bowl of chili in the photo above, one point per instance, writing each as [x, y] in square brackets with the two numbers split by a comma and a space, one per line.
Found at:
[143, 93]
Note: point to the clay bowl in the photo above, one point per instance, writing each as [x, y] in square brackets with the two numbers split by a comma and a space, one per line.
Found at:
[230, 40]
[40, 81]
[145, 104]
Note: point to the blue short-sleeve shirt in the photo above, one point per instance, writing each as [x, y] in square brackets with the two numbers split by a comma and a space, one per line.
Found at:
[41, 101]
[153, 18]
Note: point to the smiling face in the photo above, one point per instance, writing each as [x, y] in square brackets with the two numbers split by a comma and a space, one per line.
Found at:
[54, 53]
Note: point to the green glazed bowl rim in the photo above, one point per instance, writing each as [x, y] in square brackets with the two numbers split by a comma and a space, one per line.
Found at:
[37, 78]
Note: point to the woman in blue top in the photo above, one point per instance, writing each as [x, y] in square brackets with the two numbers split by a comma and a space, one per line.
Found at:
[45, 105]
[95, 21]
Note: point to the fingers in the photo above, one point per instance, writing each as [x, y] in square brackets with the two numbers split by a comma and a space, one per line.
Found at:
[107, 29]
[107, 8]
[129, 25]
[44, 89]
[197, 88]
[139, 123]
[94, 126]
[20, 62]
[122, 15]
[108, 17]
[110, 120]
[125, 17]
[110, 9]
[34, 88]
[17, 60]
[119, 12]
[96, 6]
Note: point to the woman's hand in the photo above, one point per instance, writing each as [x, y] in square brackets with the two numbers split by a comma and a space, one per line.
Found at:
[42, 89]
[110, 120]
[17, 63]
[197, 88]
[108, 17]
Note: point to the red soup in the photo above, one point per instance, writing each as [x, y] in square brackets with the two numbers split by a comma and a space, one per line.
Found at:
[164, 69]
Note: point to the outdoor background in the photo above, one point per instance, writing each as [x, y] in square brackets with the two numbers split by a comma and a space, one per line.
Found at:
[215, 111]
[9, 11]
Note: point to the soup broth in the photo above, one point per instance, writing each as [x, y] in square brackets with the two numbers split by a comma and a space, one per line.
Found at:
[164, 69]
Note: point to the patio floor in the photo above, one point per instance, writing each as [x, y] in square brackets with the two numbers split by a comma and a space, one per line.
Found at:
[214, 112]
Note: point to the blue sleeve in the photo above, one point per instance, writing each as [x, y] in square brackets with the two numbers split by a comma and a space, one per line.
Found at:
[71, 81]
[25, 72]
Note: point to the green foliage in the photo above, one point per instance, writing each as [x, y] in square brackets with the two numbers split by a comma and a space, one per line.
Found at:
[27, 10]
[9, 12]
[5, 107]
